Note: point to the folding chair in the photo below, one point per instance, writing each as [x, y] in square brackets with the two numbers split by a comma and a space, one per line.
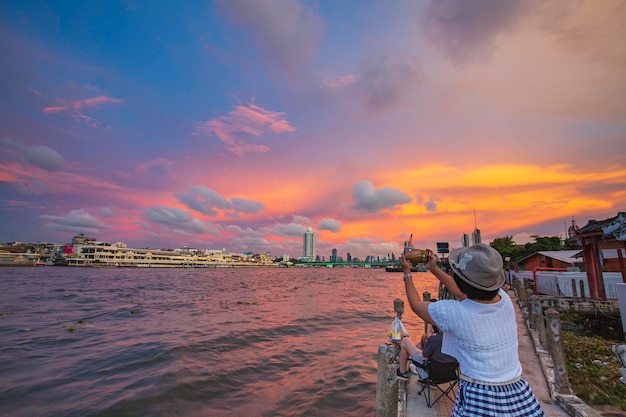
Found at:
[442, 380]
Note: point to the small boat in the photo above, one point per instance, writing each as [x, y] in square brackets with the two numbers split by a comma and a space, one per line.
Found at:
[398, 268]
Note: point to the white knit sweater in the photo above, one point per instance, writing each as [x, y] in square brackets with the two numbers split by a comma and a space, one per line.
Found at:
[483, 337]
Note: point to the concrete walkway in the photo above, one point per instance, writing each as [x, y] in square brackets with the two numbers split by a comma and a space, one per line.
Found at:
[532, 367]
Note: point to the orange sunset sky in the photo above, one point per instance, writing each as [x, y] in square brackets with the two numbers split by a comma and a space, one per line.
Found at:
[238, 124]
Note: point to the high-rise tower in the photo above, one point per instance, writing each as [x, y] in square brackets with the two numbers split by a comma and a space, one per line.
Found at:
[476, 233]
[308, 252]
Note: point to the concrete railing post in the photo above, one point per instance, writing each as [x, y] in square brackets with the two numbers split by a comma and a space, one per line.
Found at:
[539, 321]
[386, 387]
[582, 288]
[533, 311]
[516, 285]
[523, 295]
[387, 390]
[529, 294]
[555, 346]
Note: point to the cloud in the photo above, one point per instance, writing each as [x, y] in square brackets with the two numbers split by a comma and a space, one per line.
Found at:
[76, 105]
[206, 201]
[203, 200]
[159, 167]
[34, 180]
[339, 81]
[242, 205]
[431, 204]
[303, 220]
[385, 78]
[523, 238]
[285, 32]
[106, 212]
[77, 221]
[466, 30]
[178, 220]
[373, 201]
[291, 229]
[40, 156]
[331, 225]
[245, 121]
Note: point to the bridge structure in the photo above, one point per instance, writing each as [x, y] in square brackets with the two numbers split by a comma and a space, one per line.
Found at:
[328, 264]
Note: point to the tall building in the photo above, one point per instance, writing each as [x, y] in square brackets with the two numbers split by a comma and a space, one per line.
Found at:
[476, 236]
[476, 233]
[308, 252]
[333, 257]
[466, 241]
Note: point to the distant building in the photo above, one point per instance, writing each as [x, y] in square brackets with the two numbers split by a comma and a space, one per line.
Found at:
[466, 241]
[308, 252]
[349, 257]
[476, 237]
[333, 257]
[81, 239]
[566, 259]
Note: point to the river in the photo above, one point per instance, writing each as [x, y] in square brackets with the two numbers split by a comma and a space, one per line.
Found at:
[195, 342]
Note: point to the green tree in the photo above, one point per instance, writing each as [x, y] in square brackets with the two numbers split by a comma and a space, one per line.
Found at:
[541, 243]
[504, 245]
[545, 243]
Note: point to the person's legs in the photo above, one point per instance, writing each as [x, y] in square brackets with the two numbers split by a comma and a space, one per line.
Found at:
[418, 358]
[407, 350]
[404, 355]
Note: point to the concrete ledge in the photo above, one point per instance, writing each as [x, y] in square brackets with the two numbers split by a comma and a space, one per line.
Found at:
[387, 394]
[575, 407]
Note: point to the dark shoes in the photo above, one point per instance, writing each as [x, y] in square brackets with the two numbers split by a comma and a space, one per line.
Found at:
[401, 376]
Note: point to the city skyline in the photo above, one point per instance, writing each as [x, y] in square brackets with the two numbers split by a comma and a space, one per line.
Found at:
[240, 124]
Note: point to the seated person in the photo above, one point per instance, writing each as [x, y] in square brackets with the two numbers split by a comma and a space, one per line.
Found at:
[430, 349]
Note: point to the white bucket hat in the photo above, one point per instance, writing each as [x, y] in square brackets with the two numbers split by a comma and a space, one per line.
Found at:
[479, 265]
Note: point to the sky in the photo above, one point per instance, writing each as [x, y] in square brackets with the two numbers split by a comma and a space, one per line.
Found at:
[238, 124]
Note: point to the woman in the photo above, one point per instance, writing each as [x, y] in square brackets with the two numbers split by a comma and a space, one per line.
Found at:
[480, 331]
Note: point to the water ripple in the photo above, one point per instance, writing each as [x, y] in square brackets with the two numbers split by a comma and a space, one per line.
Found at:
[244, 342]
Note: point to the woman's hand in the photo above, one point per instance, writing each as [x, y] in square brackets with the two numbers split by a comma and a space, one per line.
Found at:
[405, 264]
[432, 259]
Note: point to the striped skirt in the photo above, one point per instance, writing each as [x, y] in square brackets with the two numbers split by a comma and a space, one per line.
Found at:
[514, 399]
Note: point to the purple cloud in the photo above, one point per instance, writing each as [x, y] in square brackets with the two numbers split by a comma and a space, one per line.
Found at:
[285, 32]
[465, 30]
[385, 78]
[206, 201]
[331, 225]
[242, 205]
[159, 167]
[178, 220]
[77, 221]
[242, 124]
[373, 201]
[40, 156]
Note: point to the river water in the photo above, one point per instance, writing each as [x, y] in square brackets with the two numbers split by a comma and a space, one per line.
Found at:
[195, 342]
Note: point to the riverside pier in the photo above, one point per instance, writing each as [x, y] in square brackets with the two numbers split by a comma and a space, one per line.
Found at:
[540, 352]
